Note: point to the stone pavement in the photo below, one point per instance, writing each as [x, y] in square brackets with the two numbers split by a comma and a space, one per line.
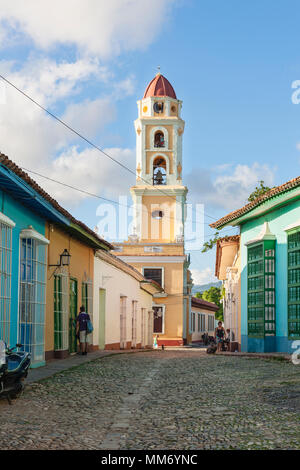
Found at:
[174, 399]
[54, 366]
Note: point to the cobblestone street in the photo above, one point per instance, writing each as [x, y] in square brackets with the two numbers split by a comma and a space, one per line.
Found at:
[181, 399]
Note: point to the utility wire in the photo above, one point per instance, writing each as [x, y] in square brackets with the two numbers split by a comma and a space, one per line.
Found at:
[90, 194]
[84, 138]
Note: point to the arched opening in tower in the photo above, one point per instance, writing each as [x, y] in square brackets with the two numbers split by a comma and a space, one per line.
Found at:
[159, 171]
[159, 139]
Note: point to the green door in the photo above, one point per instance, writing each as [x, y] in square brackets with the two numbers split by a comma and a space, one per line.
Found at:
[72, 316]
[102, 295]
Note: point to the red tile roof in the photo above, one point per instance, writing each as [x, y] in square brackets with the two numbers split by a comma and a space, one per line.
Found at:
[200, 303]
[294, 183]
[160, 86]
[231, 238]
[4, 160]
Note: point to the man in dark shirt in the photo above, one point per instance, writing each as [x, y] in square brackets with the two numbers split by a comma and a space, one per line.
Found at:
[81, 330]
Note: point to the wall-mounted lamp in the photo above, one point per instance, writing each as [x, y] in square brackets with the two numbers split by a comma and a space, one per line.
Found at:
[64, 259]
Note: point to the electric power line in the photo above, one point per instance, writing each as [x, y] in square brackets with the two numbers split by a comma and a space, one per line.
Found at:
[84, 138]
[89, 193]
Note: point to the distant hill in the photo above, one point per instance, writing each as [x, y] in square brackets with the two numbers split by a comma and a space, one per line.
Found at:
[205, 287]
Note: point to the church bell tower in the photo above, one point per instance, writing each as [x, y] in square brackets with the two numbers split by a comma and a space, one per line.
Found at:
[156, 246]
[159, 196]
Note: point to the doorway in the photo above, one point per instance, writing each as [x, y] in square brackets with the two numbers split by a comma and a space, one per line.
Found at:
[102, 305]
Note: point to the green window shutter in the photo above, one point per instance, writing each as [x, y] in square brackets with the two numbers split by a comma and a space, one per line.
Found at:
[294, 285]
[61, 311]
[261, 289]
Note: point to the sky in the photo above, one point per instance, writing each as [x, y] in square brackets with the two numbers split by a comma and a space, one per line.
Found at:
[234, 64]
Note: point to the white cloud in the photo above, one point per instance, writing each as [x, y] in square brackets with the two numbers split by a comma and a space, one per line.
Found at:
[97, 27]
[88, 170]
[203, 277]
[37, 142]
[227, 187]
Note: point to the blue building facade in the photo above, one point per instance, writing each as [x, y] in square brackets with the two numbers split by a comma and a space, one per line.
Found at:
[270, 269]
[23, 251]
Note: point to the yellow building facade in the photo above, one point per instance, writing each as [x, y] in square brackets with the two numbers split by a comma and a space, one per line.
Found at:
[156, 246]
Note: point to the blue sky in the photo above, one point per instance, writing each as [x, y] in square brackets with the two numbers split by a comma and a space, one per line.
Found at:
[231, 62]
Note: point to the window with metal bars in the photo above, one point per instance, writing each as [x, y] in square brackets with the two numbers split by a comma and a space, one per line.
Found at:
[154, 274]
[5, 280]
[294, 285]
[261, 289]
[87, 297]
[211, 322]
[61, 311]
[193, 322]
[32, 297]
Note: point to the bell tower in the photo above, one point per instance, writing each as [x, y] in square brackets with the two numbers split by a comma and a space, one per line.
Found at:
[156, 246]
[159, 196]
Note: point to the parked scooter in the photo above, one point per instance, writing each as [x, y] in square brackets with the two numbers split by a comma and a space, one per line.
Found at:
[13, 372]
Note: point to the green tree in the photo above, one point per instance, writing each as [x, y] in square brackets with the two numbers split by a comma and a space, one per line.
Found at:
[213, 294]
[259, 191]
[210, 244]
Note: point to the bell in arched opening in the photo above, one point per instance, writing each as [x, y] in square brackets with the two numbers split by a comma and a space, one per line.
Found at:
[159, 171]
[159, 139]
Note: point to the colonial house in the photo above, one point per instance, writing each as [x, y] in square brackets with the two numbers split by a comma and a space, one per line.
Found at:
[47, 267]
[156, 246]
[123, 297]
[269, 268]
[228, 271]
[202, 319]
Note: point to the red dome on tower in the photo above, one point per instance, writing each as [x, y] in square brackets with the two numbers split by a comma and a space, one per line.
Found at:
[160, 86]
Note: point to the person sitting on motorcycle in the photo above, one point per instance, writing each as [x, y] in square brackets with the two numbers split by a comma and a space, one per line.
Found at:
[219, 335]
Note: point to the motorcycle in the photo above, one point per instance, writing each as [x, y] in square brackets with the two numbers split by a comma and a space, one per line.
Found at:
[13, 372]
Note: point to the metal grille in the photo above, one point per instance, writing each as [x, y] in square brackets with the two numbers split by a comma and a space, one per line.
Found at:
[5, 281]
[150, 328]
[193, 322]
[87, 297]
[261, 289]
[154, 274]
[143, 327]
[32, 297]
[61, 311]
[211, 322]
[294, 285]
[134, 323]
[122, 322]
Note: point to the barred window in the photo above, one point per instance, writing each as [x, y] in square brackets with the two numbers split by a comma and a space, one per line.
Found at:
[61, 311]
[5, 276]
[154, 274]
[87, 297]
[261, 289]
[211, 322]
[32, 298]
[294, 285]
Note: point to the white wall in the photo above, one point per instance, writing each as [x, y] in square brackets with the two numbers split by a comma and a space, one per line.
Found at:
[118, 283]
[197, 335]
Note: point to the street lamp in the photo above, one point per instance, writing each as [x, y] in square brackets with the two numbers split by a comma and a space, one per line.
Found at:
[64, 259]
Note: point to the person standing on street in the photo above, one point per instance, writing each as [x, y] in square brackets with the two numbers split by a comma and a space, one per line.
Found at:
[219, 335]
[82, 330]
